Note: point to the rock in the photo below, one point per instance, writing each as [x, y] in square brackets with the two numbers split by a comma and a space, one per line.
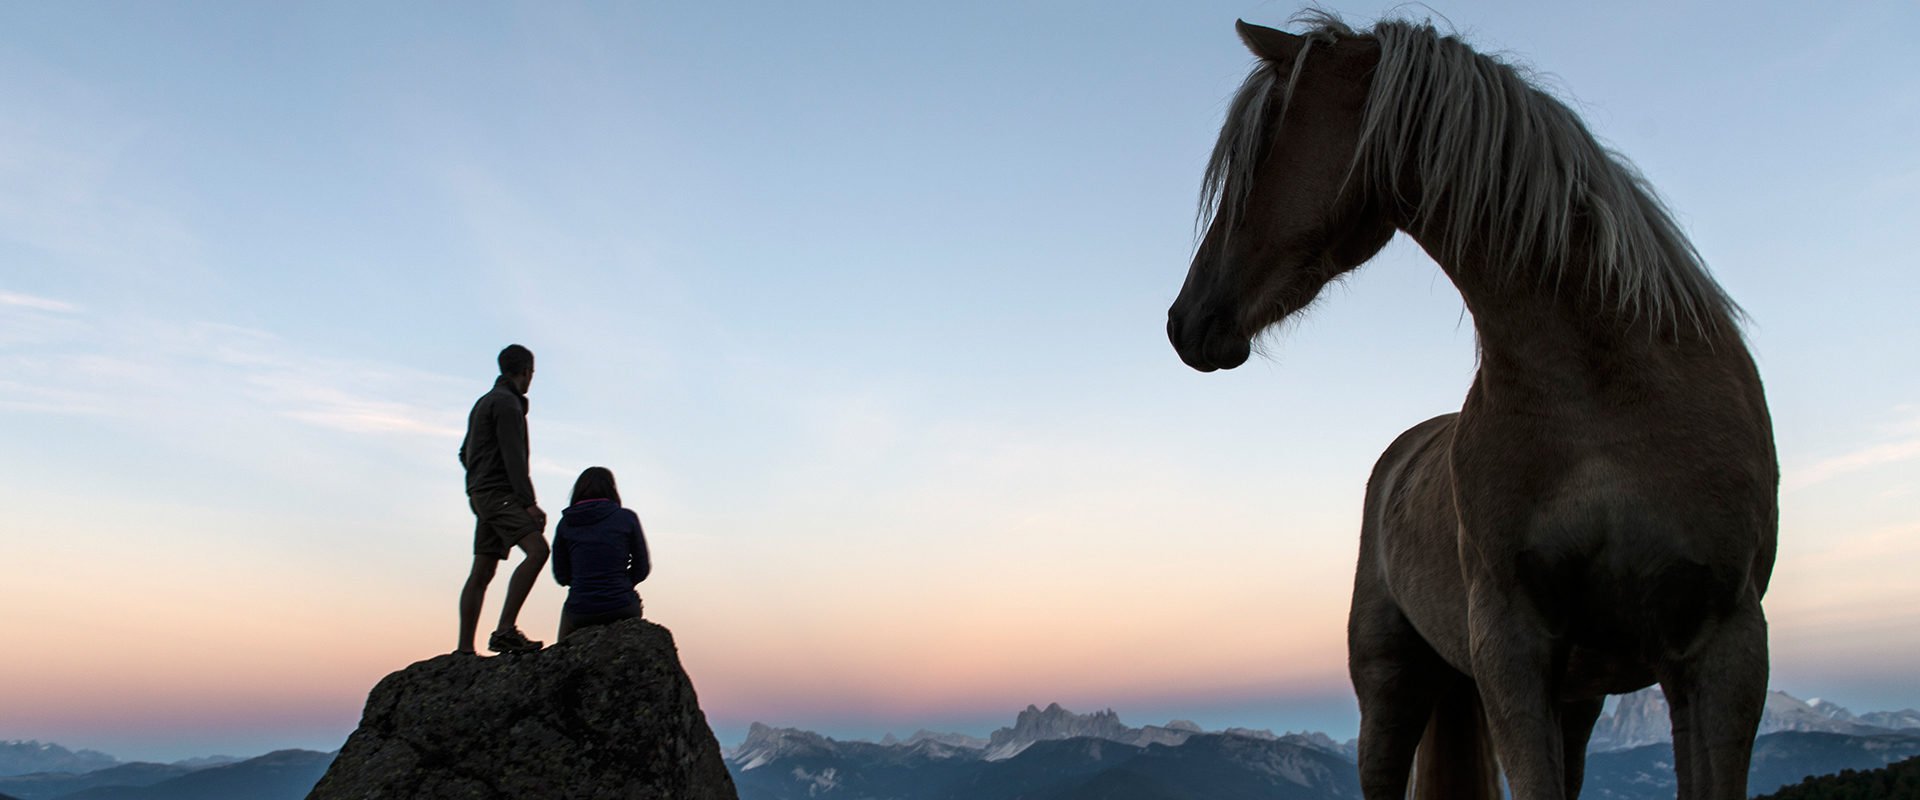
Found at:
[607, 714]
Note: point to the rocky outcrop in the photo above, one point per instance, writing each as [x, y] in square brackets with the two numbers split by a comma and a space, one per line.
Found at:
[607, 714]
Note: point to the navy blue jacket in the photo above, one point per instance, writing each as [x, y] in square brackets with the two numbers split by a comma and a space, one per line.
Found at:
[600, 552]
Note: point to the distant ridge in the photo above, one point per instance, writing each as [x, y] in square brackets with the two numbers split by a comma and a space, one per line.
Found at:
[46, 785]
[1640, 719]
[1779, 759]
[1047, 754]
[25, 757]
[1031, 725]
[1212, 766]
[1060, 755]
[275, 776]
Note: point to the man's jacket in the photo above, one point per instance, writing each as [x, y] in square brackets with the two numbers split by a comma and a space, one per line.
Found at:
[495, 450]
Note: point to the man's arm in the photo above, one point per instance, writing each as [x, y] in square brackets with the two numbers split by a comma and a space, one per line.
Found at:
[510, 431]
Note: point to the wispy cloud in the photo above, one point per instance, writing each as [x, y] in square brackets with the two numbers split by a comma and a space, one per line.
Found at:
[188, 369]
[16, 396]
[1904, 446]
[36, 303]
[306, 400]
[29, 320]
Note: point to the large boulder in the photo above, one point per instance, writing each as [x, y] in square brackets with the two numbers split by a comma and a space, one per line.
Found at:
[607, 714]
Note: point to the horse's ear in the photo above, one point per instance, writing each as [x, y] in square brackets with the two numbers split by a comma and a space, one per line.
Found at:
[1267, 43]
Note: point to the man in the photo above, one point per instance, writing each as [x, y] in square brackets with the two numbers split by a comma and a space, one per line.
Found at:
[500, 490]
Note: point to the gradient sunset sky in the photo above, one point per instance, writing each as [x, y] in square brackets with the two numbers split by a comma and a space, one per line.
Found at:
[864, 304]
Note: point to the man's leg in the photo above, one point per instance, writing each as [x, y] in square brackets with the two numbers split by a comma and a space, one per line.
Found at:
[471, 597]
[521, 583]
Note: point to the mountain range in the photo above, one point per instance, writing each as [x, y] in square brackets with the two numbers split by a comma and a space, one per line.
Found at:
[20, 757]
[281, 775]
[1779, 759]
[1047, 754]
[1056, 754]
[1051, 754]
[1640, 719]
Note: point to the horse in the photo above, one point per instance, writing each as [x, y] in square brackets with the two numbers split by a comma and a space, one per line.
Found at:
[1601, 512]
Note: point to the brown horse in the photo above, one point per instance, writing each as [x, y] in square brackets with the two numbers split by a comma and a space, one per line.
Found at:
[1601, 512]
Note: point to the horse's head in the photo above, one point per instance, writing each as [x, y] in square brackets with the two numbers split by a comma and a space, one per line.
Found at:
[1285, 219]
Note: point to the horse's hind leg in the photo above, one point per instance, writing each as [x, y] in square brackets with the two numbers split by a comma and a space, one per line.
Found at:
[1576, 727]
[1397, 678]
[1717, 694]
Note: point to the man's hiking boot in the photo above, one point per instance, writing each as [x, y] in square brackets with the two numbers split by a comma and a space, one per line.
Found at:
[512, 641]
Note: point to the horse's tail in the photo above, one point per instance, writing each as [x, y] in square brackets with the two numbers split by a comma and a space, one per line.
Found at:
[1455, 759]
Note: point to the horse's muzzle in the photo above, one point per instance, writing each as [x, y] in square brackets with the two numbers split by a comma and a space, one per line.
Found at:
[1207, 342]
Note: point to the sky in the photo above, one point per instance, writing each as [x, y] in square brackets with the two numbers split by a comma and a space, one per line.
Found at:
[864, 305]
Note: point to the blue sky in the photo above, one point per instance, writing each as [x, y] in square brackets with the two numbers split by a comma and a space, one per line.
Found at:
[864, 303]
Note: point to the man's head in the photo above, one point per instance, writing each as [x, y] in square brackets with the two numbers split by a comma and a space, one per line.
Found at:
[516, 365]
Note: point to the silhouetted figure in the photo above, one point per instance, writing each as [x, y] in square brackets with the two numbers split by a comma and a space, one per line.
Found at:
[599, 552]
[500, 490]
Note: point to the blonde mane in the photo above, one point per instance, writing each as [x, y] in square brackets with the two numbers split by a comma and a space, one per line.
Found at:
[1513, 167]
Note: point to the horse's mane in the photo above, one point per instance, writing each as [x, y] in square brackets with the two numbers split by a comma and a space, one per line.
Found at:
[1512, 165]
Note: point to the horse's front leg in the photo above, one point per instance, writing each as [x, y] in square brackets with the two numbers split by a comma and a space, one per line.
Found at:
[1717, 693]
[1576, 728]
[1397, 678]
[1513, 659]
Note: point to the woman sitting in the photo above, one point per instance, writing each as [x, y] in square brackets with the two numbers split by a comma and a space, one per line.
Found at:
[600, 553]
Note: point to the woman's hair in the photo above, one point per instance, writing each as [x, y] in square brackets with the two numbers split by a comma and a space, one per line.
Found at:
[595, 483]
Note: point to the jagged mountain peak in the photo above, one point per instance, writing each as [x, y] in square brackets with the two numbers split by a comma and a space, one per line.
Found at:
[764, 743]
[1641, 718]
[1054, 722]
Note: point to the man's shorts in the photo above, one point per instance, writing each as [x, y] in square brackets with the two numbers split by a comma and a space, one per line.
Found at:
[500, 522]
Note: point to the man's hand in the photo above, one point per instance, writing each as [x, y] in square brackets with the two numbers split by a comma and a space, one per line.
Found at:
[535, 512]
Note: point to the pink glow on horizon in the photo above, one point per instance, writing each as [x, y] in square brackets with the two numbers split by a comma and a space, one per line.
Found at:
[259, 646]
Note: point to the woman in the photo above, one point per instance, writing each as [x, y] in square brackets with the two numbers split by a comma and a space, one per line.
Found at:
[600, 553]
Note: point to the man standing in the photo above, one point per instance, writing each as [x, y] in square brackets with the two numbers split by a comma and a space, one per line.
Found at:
[500, 490]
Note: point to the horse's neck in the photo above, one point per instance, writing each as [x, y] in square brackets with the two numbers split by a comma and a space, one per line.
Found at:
[1568, 339]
